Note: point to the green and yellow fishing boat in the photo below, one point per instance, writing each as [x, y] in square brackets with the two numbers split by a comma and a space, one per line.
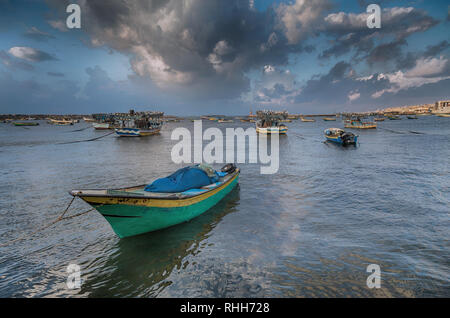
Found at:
[21, 124]
[133, 211]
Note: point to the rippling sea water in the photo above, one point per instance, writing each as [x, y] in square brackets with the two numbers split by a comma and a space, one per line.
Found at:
[310, 230]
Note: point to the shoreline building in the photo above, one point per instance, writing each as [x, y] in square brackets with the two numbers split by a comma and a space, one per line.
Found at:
[442, 107]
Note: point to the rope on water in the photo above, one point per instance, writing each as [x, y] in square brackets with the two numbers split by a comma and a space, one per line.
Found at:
[58, 219]
[92, 139]
[393, 131]
[403, 132]
[416, 132]
[298, 136]
[79, 129]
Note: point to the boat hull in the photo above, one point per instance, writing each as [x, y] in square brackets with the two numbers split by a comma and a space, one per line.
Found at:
[373, 126]
[338, 140]
[272, 130]
[134, 216]
[136, 132]
[26, 124]
[101, 126]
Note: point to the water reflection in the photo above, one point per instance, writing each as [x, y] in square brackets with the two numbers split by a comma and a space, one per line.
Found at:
[141, 265]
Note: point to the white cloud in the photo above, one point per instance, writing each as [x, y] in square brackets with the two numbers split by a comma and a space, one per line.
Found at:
[154, 65]
[428, 67]
[223, 48]
[59, 25]
[29, 54]
[269, 69]
[299, 18]
[400, 81]
[353, 95]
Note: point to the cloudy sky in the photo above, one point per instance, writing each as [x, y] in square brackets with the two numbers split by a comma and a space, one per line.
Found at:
[221, 56]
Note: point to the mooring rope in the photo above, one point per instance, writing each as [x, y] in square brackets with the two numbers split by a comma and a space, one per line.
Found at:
[92, 139]
[58, 219]
[79, 129]
[402, 132]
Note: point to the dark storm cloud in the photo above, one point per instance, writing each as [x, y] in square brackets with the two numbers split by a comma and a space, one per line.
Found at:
[12, 63]
[433, 50]
[386, 51]
[38, 35]
[207, 50]
[351, 33]
[200, 48]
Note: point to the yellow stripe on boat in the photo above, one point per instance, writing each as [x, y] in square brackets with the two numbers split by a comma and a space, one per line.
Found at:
[151, 202]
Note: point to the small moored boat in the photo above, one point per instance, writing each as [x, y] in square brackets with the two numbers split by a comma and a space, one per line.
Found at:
[101, 126]
[88, 119]
[138, 124]
[20, 124]
[303, 119]
[225, 121]
[269, 122]
[340, 136]
[412, 117]
[60, 122]
[103, 121]
[359, 124]
[329, 119]
[133, 211]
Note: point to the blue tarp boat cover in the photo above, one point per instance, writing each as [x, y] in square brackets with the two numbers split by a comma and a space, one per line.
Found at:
[182, 180]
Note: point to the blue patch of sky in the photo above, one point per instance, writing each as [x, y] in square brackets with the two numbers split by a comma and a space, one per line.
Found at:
[69, 48]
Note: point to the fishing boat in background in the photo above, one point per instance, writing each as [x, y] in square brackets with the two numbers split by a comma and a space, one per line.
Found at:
[329, 119]
[394, 117]
[101, 126]
[89, 119]
[138, 124]
[225, 121]
[103, 121]
[26, 124]
[269, 122]
[379, 119]
[60, 122]
[133, 211]
[443, 115]
[359, 124]
[340, 136]
[412, 117]
[311, 120]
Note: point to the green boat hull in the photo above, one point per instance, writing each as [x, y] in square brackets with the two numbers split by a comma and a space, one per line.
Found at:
[131, 220]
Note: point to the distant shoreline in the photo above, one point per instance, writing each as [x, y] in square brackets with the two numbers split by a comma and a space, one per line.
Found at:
[437, 107]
